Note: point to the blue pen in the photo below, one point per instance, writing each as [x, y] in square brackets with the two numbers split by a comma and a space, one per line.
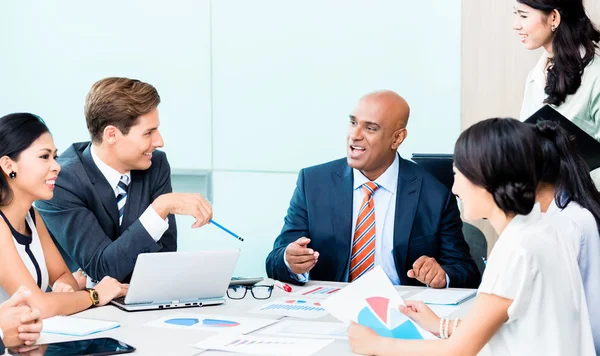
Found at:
[225, 229]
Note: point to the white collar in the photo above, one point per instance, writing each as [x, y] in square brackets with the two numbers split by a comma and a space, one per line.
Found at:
[112, 175]
[538, 74]
[388, 180]
[520, 222]
[553, 208]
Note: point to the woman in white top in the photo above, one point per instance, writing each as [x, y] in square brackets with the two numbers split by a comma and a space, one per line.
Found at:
[28, 257]
[531, 300]
[567, 76]
[566, 189]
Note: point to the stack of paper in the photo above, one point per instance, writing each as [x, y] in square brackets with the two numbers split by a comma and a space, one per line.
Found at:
[260, 345]
[444, 296]
[373, 301]
[73, 326]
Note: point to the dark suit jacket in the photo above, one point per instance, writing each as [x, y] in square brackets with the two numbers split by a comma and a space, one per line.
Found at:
[1, 347]
[427, 223]
[83, 216]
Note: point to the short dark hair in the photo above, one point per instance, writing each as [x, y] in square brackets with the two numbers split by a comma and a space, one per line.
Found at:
[17, 132]
[501, 155]
[118, 102]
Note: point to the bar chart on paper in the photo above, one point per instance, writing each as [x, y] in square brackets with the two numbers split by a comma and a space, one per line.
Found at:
[299, 308]
[318, 291]
[261, 345]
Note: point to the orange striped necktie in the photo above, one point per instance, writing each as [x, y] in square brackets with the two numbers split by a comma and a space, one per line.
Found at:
[363, 246]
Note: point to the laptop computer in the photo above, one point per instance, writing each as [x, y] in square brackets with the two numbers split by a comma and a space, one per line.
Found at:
[167, 280]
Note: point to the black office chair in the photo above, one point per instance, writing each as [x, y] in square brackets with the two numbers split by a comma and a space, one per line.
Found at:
[438, 165]
[477, 245]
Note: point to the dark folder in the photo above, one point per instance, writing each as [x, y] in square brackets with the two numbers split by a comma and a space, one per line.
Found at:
[588, 147]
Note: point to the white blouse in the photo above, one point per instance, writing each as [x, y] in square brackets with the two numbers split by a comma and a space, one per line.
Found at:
[535, 267]
[32, 256]
[583, 107]
[587, 240]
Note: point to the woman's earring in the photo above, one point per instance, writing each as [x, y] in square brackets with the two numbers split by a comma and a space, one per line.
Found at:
[12, 175]
[553, 27]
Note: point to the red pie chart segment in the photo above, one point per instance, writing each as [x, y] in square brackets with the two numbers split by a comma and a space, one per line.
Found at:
[380, 307]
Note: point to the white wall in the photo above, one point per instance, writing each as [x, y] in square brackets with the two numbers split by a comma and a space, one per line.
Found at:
[252, 90]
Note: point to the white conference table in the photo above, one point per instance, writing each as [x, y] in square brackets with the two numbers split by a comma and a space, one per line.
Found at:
[162, 341]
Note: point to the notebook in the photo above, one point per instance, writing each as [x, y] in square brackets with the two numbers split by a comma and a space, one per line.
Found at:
[444, 296]
[74, 326]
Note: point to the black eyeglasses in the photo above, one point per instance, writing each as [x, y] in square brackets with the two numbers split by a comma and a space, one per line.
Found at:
[257, 291]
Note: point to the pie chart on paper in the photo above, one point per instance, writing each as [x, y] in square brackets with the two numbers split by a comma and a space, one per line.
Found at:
[215, 323]
[387, 321]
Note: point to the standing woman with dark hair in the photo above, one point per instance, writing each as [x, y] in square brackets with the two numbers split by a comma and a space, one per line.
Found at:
[531, 300]
[567, 76]
[566, 189]
[28, 256]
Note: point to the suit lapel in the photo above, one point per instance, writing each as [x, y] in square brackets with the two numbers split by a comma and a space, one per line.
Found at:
[103, 189]
[341, 202]
[407, 201]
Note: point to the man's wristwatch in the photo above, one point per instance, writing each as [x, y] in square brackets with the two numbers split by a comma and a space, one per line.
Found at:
[94, 297]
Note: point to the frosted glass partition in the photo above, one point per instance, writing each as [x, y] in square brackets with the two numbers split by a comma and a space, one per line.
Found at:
[252, 90]
[53, 51]
[287, 74]
[252, 205]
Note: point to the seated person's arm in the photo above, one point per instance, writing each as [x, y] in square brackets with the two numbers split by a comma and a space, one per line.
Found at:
[485, 317]
[454, 256]
[79, 233]
[59, 276]
[291, 259]
[14, 274]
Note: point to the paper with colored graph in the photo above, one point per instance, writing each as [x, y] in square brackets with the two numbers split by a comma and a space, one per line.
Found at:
[304, 308]
[212, 323]
[317, 291]
[263, 345]
[444, 296]
[310, 329]
[373, 301]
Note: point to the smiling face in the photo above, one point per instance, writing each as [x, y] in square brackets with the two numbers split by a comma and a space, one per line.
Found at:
[375, 131]
[134, 150]
[477, 202]
[534, 27]
[36, 169]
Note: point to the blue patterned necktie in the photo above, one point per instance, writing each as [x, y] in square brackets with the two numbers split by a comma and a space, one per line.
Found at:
[122, 196]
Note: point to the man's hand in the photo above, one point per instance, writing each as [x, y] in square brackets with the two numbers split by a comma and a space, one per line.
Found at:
[184, 204]
[427, 271]
[301, 258]
[19, 323]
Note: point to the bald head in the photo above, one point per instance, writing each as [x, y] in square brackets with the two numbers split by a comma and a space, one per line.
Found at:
[377, 128]
[388, 105]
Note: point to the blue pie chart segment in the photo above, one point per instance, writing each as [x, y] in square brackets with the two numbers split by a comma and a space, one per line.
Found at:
[182, 321]
[400, 326]
[216, 323]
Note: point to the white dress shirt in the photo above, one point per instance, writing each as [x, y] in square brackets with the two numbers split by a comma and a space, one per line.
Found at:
[583, 107]
[533, 265]
[152, 222]
[587, 239]
[385, 212]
